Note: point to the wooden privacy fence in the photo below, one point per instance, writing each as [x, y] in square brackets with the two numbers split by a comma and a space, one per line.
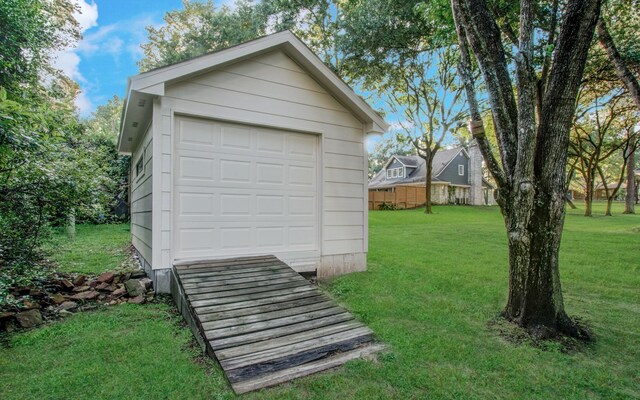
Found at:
[401, 197]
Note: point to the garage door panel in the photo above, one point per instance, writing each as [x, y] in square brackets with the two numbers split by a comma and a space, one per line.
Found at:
[192, 168]
[247, 191]
[302, 146]
[270, 143]
[235, 137]
[270, 173]
[196, 204]
[235, 171]
[235, 205]
[197, 238]
[270, 205]
[193, 133]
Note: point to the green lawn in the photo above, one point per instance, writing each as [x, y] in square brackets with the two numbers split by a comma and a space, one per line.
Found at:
[96, 248]
[433, 284]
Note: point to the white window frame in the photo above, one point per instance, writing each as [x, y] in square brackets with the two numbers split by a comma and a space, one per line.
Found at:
[389, 173]
[461, 169]
[400, 173]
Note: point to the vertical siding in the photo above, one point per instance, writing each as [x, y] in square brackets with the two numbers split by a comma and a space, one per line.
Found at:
[141, 197]
[272, 90]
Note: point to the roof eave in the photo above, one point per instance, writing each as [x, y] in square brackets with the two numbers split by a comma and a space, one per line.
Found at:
[153, 82]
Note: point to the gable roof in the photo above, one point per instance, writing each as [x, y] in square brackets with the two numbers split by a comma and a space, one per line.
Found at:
[440, 162]
[142, 88]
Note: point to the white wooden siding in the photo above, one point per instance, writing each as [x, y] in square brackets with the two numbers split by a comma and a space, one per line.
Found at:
[141, 197]
[272, 90]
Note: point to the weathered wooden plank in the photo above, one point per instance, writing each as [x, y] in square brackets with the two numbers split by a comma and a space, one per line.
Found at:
[239, 280]
[212, 276]
[238, 292]
[303, 370]
[238, 267]
[270, 324]
[227, 261]
[283, 341]
[361, 333]
[295, 359]
[254, 296]
[249, 319]
[275, 332]
[254, 303]
[263, 309]
[225, 288]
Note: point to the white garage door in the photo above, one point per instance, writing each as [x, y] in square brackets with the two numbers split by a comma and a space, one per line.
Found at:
[241, 190]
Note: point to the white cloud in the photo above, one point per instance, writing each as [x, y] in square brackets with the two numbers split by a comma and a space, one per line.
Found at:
[87, 16]
[68, 61]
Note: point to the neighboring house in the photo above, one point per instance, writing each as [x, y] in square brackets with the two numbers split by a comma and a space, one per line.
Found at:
[456, 179]
[252, 150]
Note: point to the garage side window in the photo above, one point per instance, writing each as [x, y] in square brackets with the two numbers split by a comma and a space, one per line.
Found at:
[140, 166]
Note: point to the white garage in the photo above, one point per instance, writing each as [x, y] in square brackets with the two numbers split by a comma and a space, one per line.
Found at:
[258, 149]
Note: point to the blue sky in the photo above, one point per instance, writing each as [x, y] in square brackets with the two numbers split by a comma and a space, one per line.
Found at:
[112, 33]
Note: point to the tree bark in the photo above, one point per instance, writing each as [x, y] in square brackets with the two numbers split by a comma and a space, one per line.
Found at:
[532, 175]
[630, 198]
[589, 189]
[427, 187]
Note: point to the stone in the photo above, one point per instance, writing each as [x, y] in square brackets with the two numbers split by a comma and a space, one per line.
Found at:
[6, 315]
[105, 277]
[28, 304]
[81, 289]
[137, 300]
[137, 274]
[125, 277]
[93, 284]
[119, 292]
[150, 295]
[58, 298]
[64, 313]
[67, 305]
[134, 288]
[102, 286]
[29, 319]
[80, 280]
[147, 283]
[35, 293]
[66, 285]
[88, 295]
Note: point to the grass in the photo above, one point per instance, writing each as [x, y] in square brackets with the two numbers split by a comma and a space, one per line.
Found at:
[433, 284]
[96, 248]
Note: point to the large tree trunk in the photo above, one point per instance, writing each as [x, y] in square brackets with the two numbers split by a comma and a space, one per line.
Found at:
[588, 194]
[535, 295]
[427, 186]
[630, 198]
[531, 175]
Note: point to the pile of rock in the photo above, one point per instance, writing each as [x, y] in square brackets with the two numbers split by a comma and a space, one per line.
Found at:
[62, 295]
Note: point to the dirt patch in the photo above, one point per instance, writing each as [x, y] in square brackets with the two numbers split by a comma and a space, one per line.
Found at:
[539, 338]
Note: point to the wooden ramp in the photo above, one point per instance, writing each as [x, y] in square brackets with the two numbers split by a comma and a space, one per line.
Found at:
[264, 322]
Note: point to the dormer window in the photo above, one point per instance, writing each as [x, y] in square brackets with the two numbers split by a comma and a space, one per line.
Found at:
[395, 173]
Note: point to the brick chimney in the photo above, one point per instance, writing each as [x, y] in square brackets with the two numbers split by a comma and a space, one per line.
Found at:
[475, 175]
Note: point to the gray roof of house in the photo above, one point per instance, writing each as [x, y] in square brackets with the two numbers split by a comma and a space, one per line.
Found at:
[440, 161]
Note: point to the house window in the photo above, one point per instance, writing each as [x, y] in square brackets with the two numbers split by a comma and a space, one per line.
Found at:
[460, 169]
[140, 166]
[389, 173]
[400, 173]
